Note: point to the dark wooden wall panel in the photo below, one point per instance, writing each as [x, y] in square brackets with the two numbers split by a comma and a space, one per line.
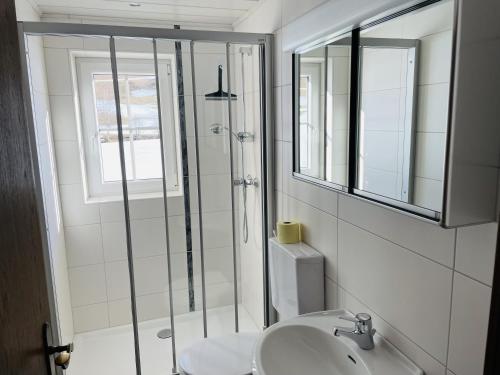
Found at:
[24, 302]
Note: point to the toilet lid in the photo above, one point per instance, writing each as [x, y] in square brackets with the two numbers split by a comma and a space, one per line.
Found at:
[225, 355]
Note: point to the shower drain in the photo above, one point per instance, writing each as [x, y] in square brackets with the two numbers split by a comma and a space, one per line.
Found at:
[164, 333]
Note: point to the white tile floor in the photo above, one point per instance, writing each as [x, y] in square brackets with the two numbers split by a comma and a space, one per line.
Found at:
[111, 351]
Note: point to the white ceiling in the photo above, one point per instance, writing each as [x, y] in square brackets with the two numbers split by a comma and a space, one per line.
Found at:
[219, 13]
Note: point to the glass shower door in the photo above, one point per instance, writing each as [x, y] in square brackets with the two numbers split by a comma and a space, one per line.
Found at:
[189, 136]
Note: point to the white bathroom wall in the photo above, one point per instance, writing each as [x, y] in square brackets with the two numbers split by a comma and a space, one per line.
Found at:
[427, 288]
[48, 173]
[95, 233]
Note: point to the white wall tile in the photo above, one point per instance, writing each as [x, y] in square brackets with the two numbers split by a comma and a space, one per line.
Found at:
[428, 193]
[146, 208]
[177, 232]
[414, 289]
[432, 108]
[469, 326]
[179, 269]
[68, 162]
[331, 294]
[475, 255]
[295, 8]
[91, 317]
[216, 192]
[217, 229]
[151, 275]
[414, 352]
[84, 245]
[319, 230]
[75, 211]
[218, 295]
[435, 58]
[58, 71]
[120, 312]
[153, 306]
[88, 285]
[218, 266]
[114, 241]
[117, 280]
[429, 155]
[148, 237]
[214, 155]
[424, 238]
[62, 109]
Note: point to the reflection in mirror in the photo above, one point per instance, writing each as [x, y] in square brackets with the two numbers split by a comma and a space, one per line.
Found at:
[322, 116]
[337, 110]
[403, 106]
[311, 113]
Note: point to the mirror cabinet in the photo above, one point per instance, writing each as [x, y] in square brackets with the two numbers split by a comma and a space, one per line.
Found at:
[374, 113]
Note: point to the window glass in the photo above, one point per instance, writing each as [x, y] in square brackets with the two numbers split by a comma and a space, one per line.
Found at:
[140, 127]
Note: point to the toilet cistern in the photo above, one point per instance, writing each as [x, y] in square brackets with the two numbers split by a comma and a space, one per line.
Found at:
[362, 334]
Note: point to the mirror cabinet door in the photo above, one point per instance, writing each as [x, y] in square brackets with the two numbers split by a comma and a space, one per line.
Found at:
[322, 91]
[391, 146]
[338, 91]
[311, 113]
[403, 101]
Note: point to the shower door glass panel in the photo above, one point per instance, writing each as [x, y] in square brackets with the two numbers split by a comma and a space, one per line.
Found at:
[148, 252]
[216, 269]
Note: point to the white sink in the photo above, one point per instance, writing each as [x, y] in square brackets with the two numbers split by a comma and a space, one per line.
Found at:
[306, 345]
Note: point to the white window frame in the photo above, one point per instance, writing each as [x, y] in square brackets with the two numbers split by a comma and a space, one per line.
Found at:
[85, 65]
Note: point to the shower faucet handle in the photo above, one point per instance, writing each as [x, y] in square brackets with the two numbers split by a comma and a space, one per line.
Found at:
[239, 181]
[251, 181]
[248, 181]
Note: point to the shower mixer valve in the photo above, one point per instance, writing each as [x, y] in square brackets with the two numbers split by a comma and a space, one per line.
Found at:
[249, 181]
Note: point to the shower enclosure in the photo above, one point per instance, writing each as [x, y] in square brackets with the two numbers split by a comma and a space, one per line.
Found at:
[172, 155]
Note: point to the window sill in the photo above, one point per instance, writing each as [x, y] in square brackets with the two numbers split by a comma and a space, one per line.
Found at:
[131, 197]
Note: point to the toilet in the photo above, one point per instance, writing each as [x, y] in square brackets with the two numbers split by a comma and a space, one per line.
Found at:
[224, 355]
[297, 287]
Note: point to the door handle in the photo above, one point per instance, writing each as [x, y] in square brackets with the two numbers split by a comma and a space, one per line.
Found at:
[61, 354]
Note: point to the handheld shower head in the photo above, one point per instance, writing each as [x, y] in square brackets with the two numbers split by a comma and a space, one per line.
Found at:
[217, 129]
[241, 137]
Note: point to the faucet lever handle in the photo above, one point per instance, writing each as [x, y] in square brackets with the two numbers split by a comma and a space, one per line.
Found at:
[349, 318]
[363, 321]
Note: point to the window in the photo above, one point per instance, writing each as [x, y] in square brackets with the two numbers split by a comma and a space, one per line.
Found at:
[141, 133]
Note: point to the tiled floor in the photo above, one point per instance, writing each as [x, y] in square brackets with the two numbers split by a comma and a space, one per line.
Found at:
[111, 351]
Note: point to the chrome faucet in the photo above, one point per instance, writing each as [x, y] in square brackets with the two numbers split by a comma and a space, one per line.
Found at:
[362, 334]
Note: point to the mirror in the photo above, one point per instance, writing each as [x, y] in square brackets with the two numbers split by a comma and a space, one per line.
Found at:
[391, 146]
[403, 93]
[311, 105]
[322, 111]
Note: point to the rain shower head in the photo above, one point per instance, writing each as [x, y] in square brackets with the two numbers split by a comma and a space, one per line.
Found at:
[220, 94]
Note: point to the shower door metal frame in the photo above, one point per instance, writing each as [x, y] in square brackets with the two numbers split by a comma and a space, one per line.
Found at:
[265, 43]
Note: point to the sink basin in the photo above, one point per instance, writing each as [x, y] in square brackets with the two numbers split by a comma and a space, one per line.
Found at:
[306, 345]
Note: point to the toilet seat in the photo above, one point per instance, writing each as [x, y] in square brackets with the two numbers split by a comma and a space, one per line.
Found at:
[225, 355]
